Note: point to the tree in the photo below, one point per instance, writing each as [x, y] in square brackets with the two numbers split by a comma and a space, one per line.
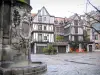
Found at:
[59, 38]
[93, 6]
[86, 36]
[92, 17]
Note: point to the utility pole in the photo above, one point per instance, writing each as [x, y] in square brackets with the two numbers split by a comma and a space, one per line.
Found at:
[86, 5]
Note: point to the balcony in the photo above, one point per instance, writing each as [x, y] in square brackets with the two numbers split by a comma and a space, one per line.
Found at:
[40, 41]
[66, 34]
[40, 22]
[43, 31]
[78, 34]
[59, 33]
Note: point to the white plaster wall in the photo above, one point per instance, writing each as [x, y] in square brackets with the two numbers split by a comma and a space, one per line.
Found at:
[51, 27]
[35, 37]
[43, 13]
[47, 19]
[69, 37]
[35, 27]
[72, 30]
[50, 37]
[80, 31]
[35, 19]
[72, 38]
[48, 27]
[51, 19]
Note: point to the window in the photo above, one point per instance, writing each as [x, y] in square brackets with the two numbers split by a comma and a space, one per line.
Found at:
[76, 22]
[44, 18]
[57, 29]
[66, 38]
[67, 30]
[45, 37]
[76, 38]
[56, 22]
[39, 37]
[76, 29]
[44, 27]
[61, 22]
[39, 18]
[96, 37]
[39, 27]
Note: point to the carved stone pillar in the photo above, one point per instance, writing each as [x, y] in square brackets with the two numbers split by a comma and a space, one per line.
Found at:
[15, 21]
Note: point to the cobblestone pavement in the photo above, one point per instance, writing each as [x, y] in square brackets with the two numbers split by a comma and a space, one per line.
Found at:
[70, 63]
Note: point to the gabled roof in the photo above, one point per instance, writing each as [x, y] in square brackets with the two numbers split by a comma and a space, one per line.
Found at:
[45, 10]
[41, 10]
[59, 18]
[70, 19]
[33, 14]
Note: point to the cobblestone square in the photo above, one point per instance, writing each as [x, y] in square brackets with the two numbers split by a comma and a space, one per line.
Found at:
[70, 63]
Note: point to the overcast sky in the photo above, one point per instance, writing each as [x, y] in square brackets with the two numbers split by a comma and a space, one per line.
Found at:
[63, 8]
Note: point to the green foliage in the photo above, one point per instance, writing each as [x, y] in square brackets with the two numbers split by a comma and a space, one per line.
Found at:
[50, 50]
[22, 1]
[74, 45]
[59, 38]
[45, 50]
[86, 36]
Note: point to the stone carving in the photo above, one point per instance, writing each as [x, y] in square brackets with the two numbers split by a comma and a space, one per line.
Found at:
[20, 29]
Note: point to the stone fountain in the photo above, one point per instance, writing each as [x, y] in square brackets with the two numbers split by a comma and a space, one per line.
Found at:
[15, 22]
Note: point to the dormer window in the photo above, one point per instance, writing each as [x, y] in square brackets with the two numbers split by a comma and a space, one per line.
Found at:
[44, 18]
[61, 22]
[39, 18]
[56, 22]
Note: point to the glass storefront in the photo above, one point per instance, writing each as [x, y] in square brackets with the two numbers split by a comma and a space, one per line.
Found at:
[97, 46]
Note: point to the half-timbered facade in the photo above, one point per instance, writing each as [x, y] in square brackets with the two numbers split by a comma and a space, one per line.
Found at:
[60, 43]
[74, 31]
[42, 30]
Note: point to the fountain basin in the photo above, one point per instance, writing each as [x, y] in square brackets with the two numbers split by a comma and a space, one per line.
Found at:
[36, 67]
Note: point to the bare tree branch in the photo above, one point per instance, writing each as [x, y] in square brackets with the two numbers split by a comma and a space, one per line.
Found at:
[92, 28]
[92, 17]
[93, 6]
